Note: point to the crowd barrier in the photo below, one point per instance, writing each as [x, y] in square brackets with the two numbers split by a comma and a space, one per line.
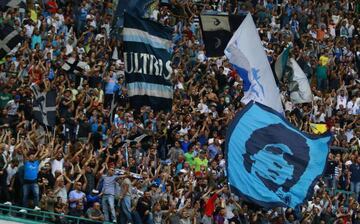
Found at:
[30, 216]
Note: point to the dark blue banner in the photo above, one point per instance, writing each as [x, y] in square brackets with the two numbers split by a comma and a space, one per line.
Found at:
[134, 7]
[147, 60]
[269, 161]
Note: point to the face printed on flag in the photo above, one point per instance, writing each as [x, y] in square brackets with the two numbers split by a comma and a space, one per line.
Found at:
[275, 153]
[270, 162]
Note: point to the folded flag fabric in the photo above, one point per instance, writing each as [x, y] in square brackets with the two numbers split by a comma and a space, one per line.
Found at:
[281, 62]
[299, 86]
[269, 161]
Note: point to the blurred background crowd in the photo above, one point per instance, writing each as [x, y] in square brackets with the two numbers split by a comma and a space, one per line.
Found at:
[107, 162]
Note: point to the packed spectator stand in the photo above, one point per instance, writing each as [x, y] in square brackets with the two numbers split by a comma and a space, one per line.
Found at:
[105, 161]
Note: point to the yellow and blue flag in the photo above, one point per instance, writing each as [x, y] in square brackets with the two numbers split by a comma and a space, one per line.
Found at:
[269, 161]
[33, 15]
[318, 128]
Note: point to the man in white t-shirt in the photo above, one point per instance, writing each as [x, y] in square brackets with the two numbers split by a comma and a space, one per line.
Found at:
[57, 163]
[341, 99]
[76, 195]
[29, 29]
[356, 108]
[319, 116]
[352, 106]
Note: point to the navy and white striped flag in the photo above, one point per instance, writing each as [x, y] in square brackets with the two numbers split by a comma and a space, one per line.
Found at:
[44, 106]
[147, 60]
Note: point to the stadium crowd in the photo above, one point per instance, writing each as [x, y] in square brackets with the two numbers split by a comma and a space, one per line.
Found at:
[107, 162]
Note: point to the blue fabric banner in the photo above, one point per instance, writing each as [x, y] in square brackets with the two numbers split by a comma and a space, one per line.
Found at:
[270, 162]
[134, 7]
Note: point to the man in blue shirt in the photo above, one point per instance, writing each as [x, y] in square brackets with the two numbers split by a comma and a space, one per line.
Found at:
[108, 194]
[82, 13]
[31, 169]
[110, 87]
[213, 148]
[185, 143]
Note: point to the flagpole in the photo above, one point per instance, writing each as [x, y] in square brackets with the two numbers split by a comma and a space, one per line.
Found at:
[47, 131]
[112, 107]
[126, 155]
[54, 136]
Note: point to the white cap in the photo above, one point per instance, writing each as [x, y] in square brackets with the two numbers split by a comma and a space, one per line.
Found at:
[211, 141]
[81, 50]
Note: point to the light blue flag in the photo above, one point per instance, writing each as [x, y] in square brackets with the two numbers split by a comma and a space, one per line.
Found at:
[246, 53]
[269, 161]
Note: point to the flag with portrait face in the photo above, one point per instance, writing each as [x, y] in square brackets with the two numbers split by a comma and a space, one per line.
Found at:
[269, 161]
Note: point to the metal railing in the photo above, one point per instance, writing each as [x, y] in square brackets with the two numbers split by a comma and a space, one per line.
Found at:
[27, 215]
